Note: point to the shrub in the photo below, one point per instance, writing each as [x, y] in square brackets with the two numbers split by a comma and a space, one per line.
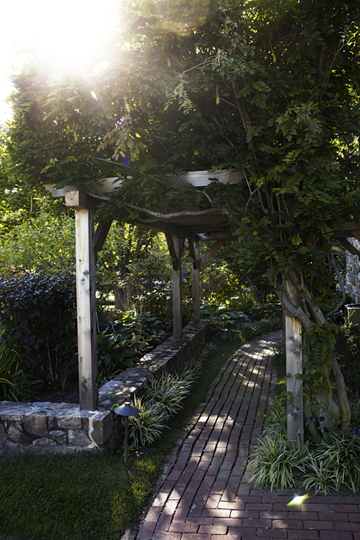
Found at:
[38, 313]
[125, 340]
[234, 323]
[218, 283]
[253, 329]
[267, 310]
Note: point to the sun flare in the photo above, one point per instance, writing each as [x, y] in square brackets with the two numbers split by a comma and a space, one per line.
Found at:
[71, 36]
[63, 37]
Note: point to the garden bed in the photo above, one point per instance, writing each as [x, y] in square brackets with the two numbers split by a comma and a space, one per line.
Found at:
[42, 427]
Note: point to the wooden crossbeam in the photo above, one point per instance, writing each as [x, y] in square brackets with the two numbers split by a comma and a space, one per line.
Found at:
[212, 250]
[352, 249]
[100, 235]
[356, 234]
[175, 252]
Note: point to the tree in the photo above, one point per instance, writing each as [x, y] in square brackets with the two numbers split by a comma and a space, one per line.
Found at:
[270, 88]
[56, 128]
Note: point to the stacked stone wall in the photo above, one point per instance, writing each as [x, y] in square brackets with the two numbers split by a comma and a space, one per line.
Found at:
[62, 428]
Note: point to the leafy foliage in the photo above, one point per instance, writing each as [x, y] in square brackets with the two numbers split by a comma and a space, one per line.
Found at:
[218, 284]
[134, 267]
[56, 139]
[278, 461]
[162, 399]
[43, 241]
[348, 351]
[230, 322]
[14, 384]
[126, 340]
[330, 464]
[38, 313]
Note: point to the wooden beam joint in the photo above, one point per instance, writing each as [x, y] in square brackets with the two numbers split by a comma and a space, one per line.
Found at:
[347, 245]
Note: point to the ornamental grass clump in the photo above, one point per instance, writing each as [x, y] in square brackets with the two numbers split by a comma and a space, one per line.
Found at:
[148, 425]
[341, 455]
[333, 463]
[278, 461]
[318, 477]
[162, 399]
[169, 391]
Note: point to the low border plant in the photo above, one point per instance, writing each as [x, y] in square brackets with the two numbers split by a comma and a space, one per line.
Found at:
[277, 461]
[163, 398]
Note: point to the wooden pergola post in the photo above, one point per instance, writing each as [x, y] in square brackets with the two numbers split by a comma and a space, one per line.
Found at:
[85, 297]
[194, 252]
[175, 245]
[295, 406]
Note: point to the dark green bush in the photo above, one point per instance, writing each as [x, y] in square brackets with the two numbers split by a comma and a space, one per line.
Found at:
[125, 340]
[38, 314]
[265, 310]
[234, 323]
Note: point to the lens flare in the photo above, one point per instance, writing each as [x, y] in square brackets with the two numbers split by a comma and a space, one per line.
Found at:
[94, 96]
[184, 17]
[299, 499]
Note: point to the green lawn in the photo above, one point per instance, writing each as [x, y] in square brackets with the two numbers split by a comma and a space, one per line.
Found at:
[90, 497]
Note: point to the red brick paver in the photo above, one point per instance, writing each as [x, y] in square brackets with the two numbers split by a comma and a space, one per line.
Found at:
[204, 493]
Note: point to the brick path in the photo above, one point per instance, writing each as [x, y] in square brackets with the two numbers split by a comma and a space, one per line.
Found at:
[204, 493]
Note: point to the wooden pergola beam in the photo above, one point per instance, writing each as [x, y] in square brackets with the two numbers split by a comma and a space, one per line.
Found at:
[100, 235]
[347, 245]
[211, 252]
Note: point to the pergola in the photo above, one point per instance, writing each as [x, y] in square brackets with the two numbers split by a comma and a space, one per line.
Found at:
[193, 226]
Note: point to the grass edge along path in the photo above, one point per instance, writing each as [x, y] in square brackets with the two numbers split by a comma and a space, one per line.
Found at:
[84, 496]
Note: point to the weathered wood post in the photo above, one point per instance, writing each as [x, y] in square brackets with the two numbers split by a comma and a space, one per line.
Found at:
[295, 406]
[194, 252]
[175, 245]
[85, 297]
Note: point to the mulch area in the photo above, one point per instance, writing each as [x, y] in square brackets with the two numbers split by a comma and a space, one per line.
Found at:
[204, 491]
[70, 394]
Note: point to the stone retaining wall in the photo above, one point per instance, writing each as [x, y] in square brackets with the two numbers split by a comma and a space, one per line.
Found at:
[62, 428]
